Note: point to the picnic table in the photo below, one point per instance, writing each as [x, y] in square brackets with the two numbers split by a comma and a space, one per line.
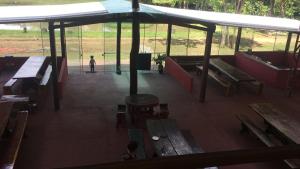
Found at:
[170, 141]
[31, 68]
[5, 110]
[236, 75]
[286, 126]
[232, 72]
[140, 103]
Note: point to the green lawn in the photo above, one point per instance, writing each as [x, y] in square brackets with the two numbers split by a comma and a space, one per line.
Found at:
[16, 42]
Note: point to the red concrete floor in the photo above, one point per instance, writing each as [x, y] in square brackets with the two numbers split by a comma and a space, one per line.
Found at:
[83, 132]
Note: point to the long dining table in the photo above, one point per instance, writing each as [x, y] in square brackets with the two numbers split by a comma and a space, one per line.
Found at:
[31, 67]
[285, 126]
[167, 138]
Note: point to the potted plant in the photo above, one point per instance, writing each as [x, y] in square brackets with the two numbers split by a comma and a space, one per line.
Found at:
[159, 62]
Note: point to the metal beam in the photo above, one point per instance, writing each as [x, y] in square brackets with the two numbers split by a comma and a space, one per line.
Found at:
[63, 40]
[54, 65]
[169, 39]
[238, 40]
[207, 52]
[118, 52]
[191, 26]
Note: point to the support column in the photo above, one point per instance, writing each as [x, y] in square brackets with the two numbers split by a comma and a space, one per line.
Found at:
[118, 67]
[135, 47]
[207, 52]
[169, 39]
[54, 65]
[288, 43]
[63, 40]
[238, 40]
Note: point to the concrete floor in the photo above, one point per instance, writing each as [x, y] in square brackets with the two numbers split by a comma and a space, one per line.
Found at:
[83, 132]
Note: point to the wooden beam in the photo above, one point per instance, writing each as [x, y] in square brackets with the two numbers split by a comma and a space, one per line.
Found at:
[209, 159]
[288, 43]
[207, 52]
[238, 40]
[118, 67]
[135, 46]
[54, 65]
[169, 38]
[63, 40]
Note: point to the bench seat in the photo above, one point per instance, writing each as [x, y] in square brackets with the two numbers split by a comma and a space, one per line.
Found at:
[47, 75]
[222, 81]
[248, 125]
[12, 86]
[138, 136]
[14, 141]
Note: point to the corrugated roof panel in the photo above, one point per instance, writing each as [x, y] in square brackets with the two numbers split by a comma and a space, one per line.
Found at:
[258, 22]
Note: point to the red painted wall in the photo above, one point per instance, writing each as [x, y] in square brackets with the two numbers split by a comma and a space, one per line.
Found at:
[63, 76]
[266, 74]
[183, 77]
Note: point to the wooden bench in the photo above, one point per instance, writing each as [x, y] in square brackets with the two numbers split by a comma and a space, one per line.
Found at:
[47, 75]
[12, 86]
[248, 125]
[138, 136]
[191, 140]
[19, 102]
[14, 141]
[222, 81]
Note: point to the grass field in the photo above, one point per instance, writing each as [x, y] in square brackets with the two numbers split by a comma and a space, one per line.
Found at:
[98, 39]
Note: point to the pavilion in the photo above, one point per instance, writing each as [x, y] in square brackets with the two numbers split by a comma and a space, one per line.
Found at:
[63, 16]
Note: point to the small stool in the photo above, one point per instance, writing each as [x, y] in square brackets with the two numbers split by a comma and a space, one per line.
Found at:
[121, 116]
[164, 111]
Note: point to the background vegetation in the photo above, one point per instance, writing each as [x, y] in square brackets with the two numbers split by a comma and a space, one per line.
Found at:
[100, 39]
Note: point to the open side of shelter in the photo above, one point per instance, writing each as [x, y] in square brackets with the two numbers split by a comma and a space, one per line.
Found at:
[140, 13]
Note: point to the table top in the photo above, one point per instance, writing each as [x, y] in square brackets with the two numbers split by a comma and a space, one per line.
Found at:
[5, 110]
[234, 73]
[142, 100]
[171, 141]
[284, 124]
[30, 68]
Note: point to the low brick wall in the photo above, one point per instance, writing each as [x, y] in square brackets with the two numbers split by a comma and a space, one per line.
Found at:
[182, 76]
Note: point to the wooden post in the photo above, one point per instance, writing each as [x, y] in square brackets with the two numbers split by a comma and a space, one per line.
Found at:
[207, 52]
[238, 40]
[118, 67]
[63, 40]
[135, 47]
[54, 65]
[288, 43]
[169, 39]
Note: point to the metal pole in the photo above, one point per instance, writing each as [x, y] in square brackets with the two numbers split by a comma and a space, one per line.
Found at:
[135, 46]
[207, 52]
[169, 39]
[288, 43]
[54, 65]
[63, 40]
[238, 40]
[118, 68]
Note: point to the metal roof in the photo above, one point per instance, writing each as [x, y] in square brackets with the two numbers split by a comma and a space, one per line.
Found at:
[17, 14]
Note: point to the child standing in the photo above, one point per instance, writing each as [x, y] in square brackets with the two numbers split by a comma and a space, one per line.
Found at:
[92, 64]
